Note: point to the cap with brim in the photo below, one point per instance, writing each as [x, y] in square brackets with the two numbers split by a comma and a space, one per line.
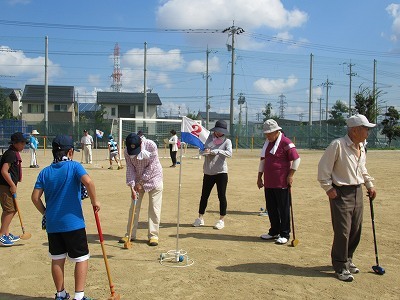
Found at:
[271, 125]
[133, 142]
[359, 120]
[34, 131]
[221, 127]
[18, 137]
[62, 142]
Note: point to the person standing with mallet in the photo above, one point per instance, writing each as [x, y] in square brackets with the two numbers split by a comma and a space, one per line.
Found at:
[61, 184]
[341, 172]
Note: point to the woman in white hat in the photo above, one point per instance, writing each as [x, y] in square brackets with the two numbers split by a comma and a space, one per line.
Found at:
[33, 145]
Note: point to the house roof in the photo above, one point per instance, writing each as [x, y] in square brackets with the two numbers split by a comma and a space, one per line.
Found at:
[127, 98]
[214, 115]
[58, 94]
[10, 93]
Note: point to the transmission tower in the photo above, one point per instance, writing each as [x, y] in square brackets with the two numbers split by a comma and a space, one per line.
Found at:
[282, 105]
[116, 75]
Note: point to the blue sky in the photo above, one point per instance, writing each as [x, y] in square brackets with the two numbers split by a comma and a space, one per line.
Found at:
[272, 55]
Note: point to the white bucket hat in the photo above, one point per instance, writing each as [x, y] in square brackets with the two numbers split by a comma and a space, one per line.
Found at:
[34, 131]
[270, 126]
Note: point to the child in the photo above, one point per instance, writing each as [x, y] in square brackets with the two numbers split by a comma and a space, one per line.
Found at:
[61, 184]
[114, 150]
[11, 174]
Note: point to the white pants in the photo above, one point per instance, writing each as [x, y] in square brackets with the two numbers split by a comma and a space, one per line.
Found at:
[87, 149]
[33, 157]
[155, 202]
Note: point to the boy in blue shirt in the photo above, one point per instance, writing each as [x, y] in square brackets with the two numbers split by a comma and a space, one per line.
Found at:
[61, 184]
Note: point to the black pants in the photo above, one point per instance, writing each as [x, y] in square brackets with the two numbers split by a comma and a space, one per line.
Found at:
[208, 183]
[173, 155]
[278, 207]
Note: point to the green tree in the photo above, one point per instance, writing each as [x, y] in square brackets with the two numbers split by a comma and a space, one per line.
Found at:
[337, 114]
[192, 116]
[390, 125]
[5, 108]
[364, 103]
[99, 115]
[267, 112]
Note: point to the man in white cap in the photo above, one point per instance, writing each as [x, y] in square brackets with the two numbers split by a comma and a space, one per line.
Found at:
[33, 145]
[341, 172]
[279, 161]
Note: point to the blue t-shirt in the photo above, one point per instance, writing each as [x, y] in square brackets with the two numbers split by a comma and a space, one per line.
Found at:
[61, 183]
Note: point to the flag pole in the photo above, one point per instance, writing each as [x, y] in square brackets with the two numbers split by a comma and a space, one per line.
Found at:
[177, 257]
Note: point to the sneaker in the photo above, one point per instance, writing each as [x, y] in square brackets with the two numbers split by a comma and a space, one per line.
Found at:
[153, 241]
[281, 240]
[110, 168]
[353, 269]
[62, 298]
[86, 298]
[345, 275]
[267, 236]
[125, 239]
[198, 222]
[5, 241]
[120, 167]
[219, 225]
[13, 238]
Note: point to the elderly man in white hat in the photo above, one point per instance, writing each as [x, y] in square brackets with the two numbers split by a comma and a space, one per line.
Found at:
[33, 145]
[341, 172]
[278, 163]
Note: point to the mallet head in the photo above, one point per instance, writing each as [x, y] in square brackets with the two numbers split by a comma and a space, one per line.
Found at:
[127, 245]
[378, 270]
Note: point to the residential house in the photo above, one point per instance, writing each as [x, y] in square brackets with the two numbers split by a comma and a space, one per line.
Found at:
[13, 97]
[128, 105]
[212, 118]
[61, 107]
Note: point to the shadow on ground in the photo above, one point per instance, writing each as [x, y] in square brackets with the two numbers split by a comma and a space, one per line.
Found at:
[279, 269]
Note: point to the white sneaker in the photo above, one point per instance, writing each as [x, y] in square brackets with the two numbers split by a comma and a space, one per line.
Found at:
[345, 275]
[198, 222]
[353, 269]
[281, 240]
[266, 236]
[219, 225]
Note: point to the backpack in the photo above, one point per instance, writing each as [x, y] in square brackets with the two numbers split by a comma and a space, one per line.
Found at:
[178, 143]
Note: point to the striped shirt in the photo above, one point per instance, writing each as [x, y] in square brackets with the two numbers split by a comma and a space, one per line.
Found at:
[147, 171]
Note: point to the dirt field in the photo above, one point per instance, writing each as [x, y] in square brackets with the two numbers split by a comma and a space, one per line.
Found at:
[233, 263]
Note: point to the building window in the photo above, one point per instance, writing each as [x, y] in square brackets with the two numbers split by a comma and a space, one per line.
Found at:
[132, 110]
[140, 108]
[60, 107]
[36, 108]
[113, 111]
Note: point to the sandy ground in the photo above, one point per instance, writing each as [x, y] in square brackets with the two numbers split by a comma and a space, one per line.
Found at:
[233, 263]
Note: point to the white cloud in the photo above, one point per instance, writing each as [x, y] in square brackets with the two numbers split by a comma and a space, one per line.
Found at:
[199, 66]
[210, 14]
[275, 86]
[16, 63]
[95, 80]
[394, 11]
[156, 57]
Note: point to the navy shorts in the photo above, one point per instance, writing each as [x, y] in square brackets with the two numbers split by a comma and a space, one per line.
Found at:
[72, 243]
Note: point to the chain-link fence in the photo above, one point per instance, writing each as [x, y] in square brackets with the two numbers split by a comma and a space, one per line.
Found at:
[304, 136]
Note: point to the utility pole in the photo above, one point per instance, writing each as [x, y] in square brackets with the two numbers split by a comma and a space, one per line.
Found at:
[351, 74]
[327, 84]
[310, 92]
[320, 111]
[231, 32]
[46, 86]
[241, 101]
[145, 81]
[374, 93]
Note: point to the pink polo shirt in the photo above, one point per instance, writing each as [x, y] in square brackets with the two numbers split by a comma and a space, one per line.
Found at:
[277, 166]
